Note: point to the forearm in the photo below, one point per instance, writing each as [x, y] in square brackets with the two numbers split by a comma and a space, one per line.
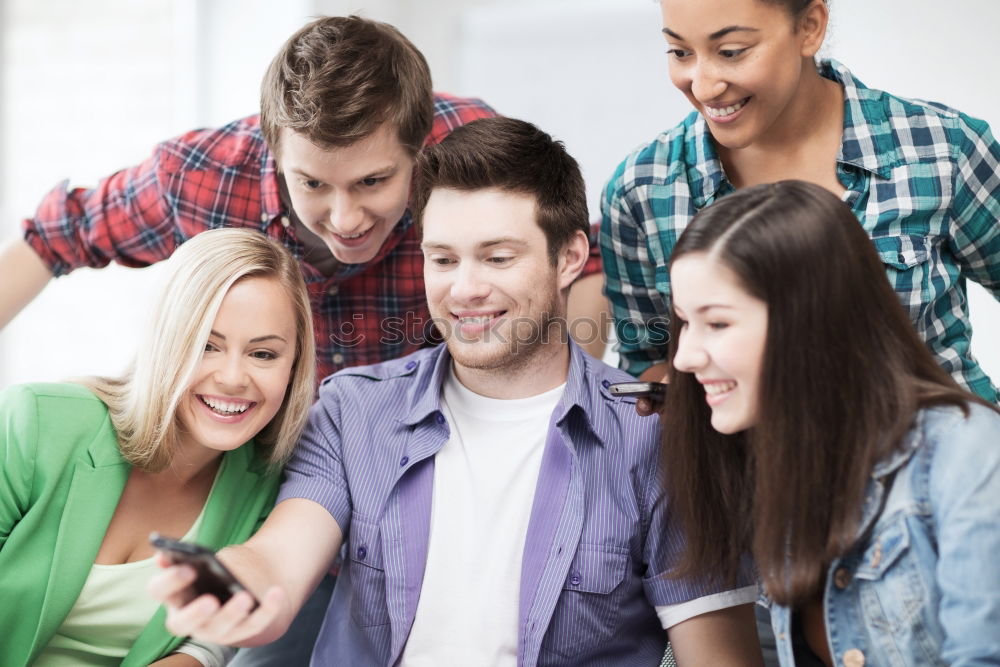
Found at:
[722, 638]
[23, 274]
[255, 571]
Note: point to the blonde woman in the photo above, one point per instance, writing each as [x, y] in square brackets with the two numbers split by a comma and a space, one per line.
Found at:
[188, 443]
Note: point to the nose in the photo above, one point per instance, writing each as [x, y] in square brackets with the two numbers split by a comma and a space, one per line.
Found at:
[690, 356]
[706, 82]
[346, 215]
[231, 371]
[468, 285]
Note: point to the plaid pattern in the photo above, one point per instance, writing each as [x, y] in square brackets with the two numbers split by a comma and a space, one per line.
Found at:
[363, 314]
[921, 178]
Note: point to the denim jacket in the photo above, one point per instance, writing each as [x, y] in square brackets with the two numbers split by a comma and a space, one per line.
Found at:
[924, 587]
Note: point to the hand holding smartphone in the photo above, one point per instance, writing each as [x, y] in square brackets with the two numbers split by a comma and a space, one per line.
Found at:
[211, 576]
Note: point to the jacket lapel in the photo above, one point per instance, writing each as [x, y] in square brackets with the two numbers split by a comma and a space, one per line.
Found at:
[96, 486]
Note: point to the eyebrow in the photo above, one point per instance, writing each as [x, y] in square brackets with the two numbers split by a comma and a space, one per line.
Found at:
[709, 306]
[258, 339]
[485, 244]
[718, 34]
[387, 170]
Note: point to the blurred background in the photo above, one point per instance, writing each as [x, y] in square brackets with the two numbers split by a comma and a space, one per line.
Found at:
[89, 87]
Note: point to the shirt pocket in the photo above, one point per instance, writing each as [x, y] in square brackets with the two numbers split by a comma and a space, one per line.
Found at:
[907, 261]
[891, 585]
[368, 602]
[587, 610]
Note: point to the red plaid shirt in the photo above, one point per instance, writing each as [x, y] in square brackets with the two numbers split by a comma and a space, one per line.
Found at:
[206, 179]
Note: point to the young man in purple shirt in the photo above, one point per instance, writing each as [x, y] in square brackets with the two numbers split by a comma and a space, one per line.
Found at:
[496, 505]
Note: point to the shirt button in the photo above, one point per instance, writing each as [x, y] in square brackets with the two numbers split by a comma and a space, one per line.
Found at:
[842, 578]
[410, 365]
[333, 290]
[338, 358]
[263, 217]
[854, 658]
[284, 221]
[403, 461]
[439, 418]
[575, 579]
[605, 383]
[362, 552]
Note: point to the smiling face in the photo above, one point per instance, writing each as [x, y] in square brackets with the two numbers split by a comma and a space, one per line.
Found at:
[722, 338]
[350, 197]
[491, 285]
[244, 372]
[741, 63]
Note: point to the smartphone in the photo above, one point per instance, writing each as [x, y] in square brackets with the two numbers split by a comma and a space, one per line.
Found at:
[651, 390]
[211, 576]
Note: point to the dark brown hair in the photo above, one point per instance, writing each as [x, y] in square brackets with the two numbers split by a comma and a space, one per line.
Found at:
[794, 7]
[514, 156]
[843, 375]
[339, 78]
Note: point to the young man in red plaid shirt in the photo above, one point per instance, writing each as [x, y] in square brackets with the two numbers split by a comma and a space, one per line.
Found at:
[324, 169]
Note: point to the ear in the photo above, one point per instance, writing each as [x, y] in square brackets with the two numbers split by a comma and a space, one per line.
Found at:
[812, 25]
[572, 258]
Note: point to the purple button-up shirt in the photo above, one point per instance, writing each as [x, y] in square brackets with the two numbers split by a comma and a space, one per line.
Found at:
[598, 543]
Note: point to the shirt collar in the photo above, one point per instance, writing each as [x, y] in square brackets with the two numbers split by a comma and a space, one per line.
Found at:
[578, 400]
[270, 192]
[582, 390]
[899, 456]
[867, 141]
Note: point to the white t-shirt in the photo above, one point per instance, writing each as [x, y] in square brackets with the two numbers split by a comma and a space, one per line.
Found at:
[484, 485]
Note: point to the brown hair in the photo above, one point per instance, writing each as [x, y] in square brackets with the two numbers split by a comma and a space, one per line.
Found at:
[843, 375]
[514, 156]
[339, 78]
[794, 7]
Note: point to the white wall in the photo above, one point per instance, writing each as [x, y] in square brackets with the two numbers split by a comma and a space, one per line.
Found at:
[89, 87]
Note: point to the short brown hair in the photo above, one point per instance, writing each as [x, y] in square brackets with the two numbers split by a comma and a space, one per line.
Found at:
[339, 78]
[514, 156]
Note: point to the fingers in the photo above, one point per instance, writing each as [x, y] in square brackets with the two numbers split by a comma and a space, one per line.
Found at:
[172, 585]
[204, 618]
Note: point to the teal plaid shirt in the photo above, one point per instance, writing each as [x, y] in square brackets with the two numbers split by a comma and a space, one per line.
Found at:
[922, 179]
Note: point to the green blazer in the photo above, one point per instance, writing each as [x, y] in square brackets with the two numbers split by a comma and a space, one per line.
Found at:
[61, 476]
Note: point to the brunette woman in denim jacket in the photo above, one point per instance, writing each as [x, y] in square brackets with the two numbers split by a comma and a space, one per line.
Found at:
[808, 425]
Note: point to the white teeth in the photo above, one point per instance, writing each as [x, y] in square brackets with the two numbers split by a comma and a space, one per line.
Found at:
[225, 407]
[475, 320]
[719, 388]
[722, 112]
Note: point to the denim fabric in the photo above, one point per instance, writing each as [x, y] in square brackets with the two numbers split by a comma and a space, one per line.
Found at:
[923, 588]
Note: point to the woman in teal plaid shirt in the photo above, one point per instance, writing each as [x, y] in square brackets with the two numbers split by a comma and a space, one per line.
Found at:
[921, 178]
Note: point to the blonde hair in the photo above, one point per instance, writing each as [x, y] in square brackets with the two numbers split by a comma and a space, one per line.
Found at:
[143, 402]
